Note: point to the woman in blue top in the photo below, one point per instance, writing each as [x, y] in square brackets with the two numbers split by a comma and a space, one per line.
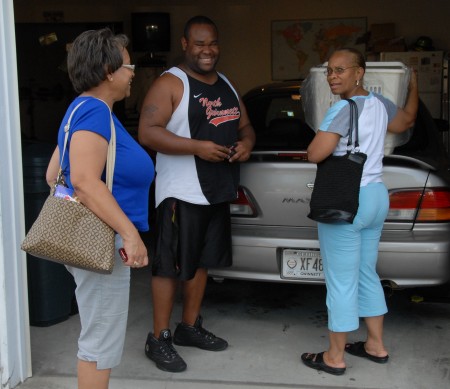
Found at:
[349, 251]
[99, 69]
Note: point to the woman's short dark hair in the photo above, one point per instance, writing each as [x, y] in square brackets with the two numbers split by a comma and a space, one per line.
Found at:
[199, 19]
[92, 56]
[359, 57]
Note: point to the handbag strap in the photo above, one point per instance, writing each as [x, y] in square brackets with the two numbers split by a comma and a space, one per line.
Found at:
[353, 124]
[111, 157]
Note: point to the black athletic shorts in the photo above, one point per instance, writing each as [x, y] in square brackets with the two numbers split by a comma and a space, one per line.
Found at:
[191, 236]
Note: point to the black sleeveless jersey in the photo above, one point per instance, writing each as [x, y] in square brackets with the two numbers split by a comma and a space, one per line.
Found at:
[206, 112]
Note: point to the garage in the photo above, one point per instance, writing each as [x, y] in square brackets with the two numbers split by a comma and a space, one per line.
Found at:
[247, 61]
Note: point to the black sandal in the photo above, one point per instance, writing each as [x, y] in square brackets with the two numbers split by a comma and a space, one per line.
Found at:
[359, 349]
[315, 361]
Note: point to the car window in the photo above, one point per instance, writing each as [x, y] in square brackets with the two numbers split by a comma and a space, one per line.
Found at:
[279, 122]
[284, 107]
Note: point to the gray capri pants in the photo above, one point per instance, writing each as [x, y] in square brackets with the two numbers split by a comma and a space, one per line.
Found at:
[103, 301]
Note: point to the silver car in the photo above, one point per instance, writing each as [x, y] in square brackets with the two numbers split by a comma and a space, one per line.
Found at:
[273, 240]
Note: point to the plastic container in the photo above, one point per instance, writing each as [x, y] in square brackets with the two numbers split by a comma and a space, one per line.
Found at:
[389, 79]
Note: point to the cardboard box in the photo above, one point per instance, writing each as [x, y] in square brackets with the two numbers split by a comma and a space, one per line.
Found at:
[397, 44]
[382, 38]
[379, 32]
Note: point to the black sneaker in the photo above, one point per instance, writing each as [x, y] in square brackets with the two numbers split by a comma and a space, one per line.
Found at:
[197, 336]
[162, 352]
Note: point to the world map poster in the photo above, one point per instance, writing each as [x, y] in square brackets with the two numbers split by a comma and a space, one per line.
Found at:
[298, 45]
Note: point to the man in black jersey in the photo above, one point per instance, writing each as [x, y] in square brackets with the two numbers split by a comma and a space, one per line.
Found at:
[196, 121]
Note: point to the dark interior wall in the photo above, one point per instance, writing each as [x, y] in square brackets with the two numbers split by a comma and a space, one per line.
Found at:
[45, 90]
[245, 25]
[245, 34]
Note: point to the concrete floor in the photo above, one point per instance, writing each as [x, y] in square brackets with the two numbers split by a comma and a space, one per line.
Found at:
[268, 326]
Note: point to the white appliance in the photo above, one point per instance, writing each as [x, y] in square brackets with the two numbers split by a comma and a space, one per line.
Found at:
[429, 67]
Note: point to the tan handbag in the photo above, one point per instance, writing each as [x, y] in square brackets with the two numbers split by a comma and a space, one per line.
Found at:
[68, 232]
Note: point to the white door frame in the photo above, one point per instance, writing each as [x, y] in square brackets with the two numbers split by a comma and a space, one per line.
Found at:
[15, 350]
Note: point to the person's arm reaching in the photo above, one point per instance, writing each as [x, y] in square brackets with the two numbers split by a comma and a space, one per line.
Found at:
[406, 116]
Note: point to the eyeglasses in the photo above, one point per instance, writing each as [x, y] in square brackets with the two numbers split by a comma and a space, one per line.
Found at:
[338, 70]
[131, 67]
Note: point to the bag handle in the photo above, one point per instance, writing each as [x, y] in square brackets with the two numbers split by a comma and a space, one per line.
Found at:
[111, 157]
[353, 124]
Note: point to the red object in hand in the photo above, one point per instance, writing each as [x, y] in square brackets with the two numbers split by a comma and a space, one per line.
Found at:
[123, 254]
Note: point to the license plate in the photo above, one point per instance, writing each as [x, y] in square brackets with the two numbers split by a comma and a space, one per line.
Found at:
[301, 264]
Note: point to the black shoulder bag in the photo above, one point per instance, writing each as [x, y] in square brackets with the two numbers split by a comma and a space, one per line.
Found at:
[335, 197]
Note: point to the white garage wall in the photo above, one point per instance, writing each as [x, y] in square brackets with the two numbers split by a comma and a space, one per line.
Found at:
[15, 354]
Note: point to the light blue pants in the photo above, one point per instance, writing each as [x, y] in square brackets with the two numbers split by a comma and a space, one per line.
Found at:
[349, 253]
